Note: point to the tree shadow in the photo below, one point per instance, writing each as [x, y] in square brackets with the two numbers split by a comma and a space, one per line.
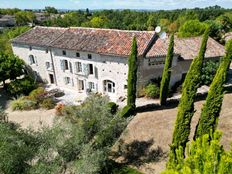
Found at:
[171, 103]
[139, 152]
[4, 98]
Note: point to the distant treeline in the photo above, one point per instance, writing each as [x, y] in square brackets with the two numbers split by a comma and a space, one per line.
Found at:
[187, 22]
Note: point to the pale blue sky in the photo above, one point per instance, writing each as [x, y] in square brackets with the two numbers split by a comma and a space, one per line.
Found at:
[113, 4]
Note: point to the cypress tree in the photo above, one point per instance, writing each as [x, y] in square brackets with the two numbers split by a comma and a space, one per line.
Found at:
[164, 87]
[210, 112]
[186, 105]
[132, 75]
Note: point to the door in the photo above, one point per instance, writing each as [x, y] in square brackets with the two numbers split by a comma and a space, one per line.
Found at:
[51, 78]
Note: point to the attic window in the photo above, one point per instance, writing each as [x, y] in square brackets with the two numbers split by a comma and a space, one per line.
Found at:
[64, 52]
[89, 56]
[77, 54]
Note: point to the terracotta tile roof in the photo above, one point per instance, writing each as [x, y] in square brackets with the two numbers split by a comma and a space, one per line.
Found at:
[102, 41]
[41, 36]
[113, 42]
[187, 48]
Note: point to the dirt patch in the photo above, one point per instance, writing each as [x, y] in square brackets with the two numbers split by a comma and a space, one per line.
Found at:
[157, 126]
[34, 119]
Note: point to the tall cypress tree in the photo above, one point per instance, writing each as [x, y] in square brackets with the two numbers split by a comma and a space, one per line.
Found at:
[210, 112]
[186, 105]
[132, 75]
[164, 87]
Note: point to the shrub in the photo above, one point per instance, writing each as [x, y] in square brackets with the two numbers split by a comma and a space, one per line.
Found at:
[152, 91]
[47, 103]
[127, 111]
[21, 86]
[23, 104]
[113, 107]
[37, 93]
[204, 155]
[208, 72]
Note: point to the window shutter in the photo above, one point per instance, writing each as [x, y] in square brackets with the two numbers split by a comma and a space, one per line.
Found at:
[86, 69]
[62, 64]
[96, 72]
[36, 61]
[76, 67]
[30, 60]
[70, 66]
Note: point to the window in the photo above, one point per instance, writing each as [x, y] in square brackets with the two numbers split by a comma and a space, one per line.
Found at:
[31, 59]
[81, 85]
[48, 65]
[65, 64]
[78, 67]
[30, 48]
[125, 86]
[89, 56]
[77, 54]
[91, 85]
[67, 80]
[64, 52]
[46, 50]
[90, 68]
[109, 86]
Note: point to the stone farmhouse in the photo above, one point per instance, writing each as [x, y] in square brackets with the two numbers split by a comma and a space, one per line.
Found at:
[95, 60]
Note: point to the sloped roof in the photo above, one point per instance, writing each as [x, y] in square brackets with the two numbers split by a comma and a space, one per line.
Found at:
[102, 41]
[41, 36]
[114, 42]
[187, 48]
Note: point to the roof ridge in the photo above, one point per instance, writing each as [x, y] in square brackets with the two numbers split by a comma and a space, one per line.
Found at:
[90, 28]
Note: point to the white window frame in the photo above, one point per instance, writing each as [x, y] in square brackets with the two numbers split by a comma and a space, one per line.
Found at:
[67, 80]
[32, 60]
[79, 68]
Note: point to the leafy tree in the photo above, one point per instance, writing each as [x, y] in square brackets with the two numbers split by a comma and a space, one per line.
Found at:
[24, 17]
[186, 104]
[51, 10]
[99, 22]
[82, 142]
[192, 28]
[209, 70]
[205, 155]
[132, 75]
[211, 109]
[164, 88]
[11, 67]
[17, 148]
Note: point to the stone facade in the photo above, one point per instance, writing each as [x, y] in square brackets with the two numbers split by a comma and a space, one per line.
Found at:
[96, 60]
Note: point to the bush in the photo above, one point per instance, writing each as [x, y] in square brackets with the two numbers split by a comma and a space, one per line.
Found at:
[47, 103]
[208, 72]
[23, 104]
[21, 86]
[37, 94]
[152, 91]
[127, 111]
[113, 107]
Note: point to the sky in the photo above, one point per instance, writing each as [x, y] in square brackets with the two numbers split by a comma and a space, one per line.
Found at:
[113, 4]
